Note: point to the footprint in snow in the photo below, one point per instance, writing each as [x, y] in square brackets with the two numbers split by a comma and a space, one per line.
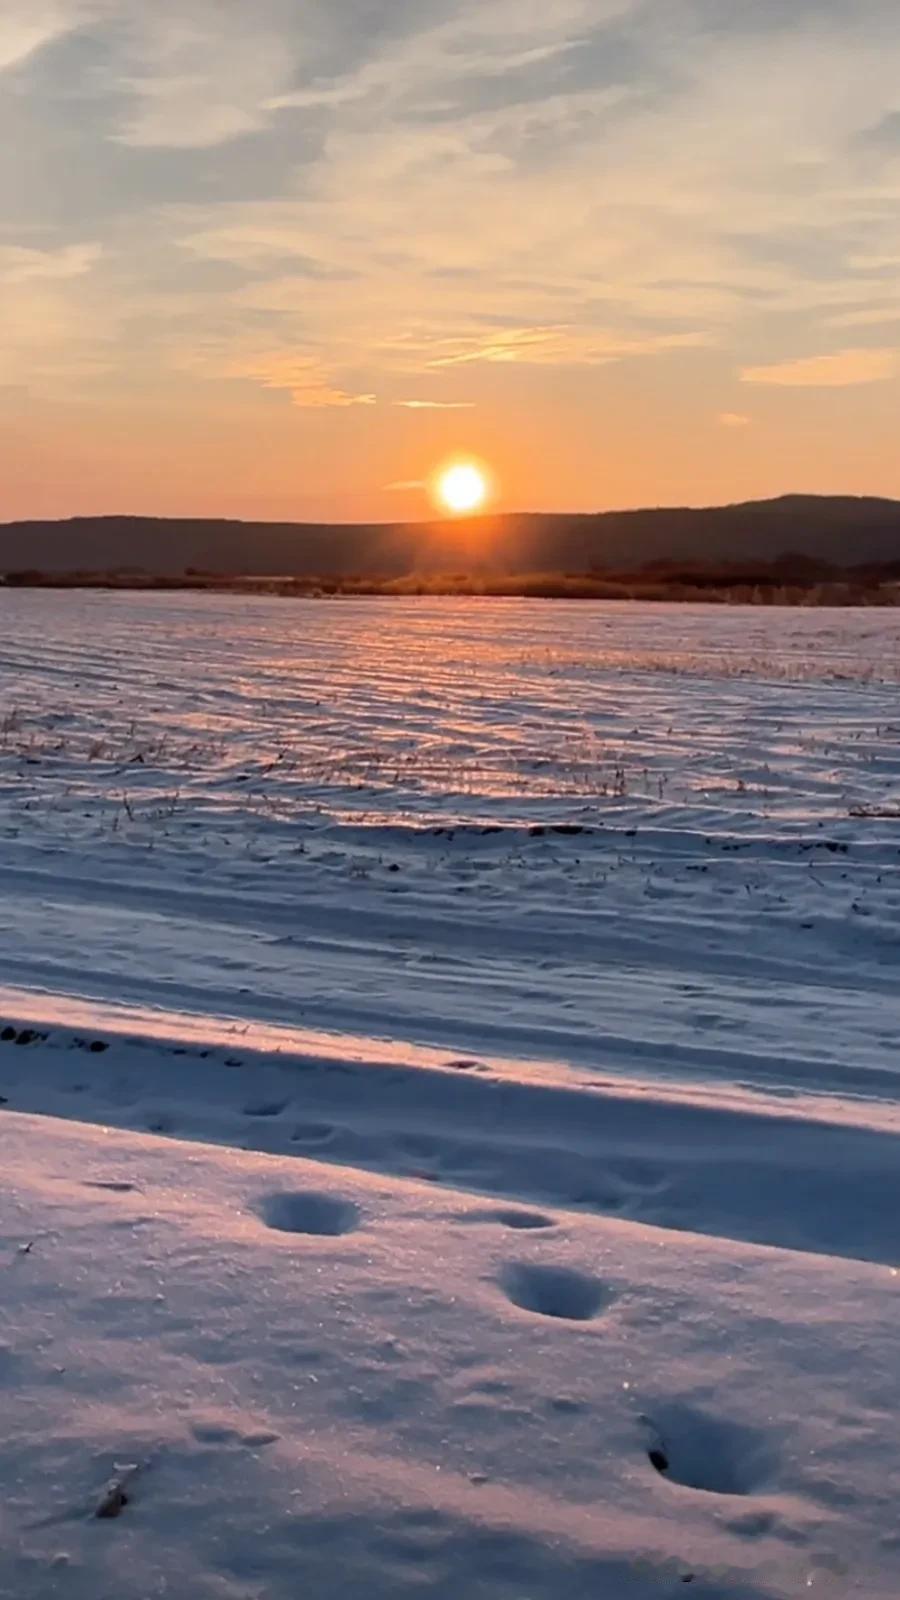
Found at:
[419, 1145]
[265, 1108]
[161, 1123]
[312, 1133]
[699, 1451]
[510, 1217]
[555, 1291]
[113, 1185]
[309, 1211]
[222, 1433]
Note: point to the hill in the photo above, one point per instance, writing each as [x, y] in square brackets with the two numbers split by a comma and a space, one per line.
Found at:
[838, 531]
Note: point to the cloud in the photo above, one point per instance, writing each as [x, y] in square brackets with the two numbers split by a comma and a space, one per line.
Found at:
[304, 376]
[874, 317]
[200, 74]
[19, 263]
[513, 344]
[396, 191]
[734, 419]
[55, 343]
[59, 327]
[407, 484]
[517, 184]
[436, 405]
[564, 346]
[27, 26]
[840, 371]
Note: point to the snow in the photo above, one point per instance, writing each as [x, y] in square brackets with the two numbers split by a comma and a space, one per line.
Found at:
[450, 1099]
[417, 1395]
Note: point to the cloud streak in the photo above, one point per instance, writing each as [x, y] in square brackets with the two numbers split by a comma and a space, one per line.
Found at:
[843, 370]
[436, 405]
[304, 377]
[27, 26]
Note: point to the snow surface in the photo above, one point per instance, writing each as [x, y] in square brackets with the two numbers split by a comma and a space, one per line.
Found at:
[448, 1056]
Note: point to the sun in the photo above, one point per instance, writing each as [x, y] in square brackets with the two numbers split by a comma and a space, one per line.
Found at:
[462, 488]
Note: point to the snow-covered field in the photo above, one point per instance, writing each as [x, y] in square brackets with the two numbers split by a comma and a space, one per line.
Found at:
[451, 1099]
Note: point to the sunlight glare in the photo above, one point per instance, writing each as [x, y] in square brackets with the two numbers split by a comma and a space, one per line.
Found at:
[462, 488]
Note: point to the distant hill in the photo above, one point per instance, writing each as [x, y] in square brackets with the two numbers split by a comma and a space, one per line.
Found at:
[839, 531]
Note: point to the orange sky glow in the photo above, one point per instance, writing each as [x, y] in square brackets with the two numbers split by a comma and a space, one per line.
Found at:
[283, 261]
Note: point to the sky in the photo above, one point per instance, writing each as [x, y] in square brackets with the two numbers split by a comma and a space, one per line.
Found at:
[280, 259]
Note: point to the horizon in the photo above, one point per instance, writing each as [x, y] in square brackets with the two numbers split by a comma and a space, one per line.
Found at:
[449, 521]
[284, 263]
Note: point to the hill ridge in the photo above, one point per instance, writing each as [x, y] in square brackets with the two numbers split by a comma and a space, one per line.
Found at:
[841, 530]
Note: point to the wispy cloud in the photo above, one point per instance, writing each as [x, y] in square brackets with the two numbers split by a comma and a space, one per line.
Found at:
[564, 347]
[436, 405]
[840, 371]
[20, 263]
[200, 74]
[306, 379]
[734, 419]
[26, 26]
[874, 317]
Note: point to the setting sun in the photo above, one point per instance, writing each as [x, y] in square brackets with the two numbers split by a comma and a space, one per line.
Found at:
[462, 488]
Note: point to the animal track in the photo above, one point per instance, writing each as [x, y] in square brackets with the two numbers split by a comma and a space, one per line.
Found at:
[312, 1133]
[419, 1145]
[555, 1291]
[161, 1123]
[24, 1036]
[265, 1108]
[510, 1218]
[699, 1451]
[222, 1433]
[309, 1211]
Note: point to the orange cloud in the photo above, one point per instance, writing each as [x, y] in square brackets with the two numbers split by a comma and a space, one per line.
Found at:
[840, 371]
[304, 376]
[565, 346]
[436, 405]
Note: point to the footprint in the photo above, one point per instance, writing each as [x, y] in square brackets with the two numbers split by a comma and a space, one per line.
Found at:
[309, 1211]
[265, 1108]
[555, 1291]
[215, 1433]
[638, 1177]
[420, 1145]
[223, 1433]
[602, 1200]
[312, 1133]
[565, 1406]
[113, 1185]
[511, 1218]
[700, 1451]
[161, 1124]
